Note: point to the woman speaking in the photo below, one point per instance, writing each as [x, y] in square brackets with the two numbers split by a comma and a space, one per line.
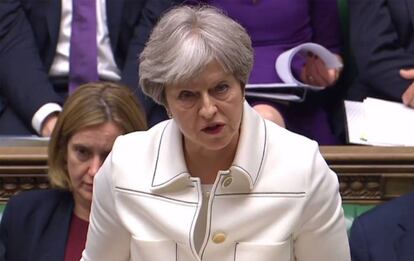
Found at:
[216, 181]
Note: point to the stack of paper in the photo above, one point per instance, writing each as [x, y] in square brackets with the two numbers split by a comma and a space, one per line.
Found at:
[292, 89]
[379, 122]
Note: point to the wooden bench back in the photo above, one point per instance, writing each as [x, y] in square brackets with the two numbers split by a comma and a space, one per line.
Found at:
[366, 174]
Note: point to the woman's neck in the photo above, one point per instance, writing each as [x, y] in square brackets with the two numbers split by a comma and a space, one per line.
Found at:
[206, 163]
[82, 209]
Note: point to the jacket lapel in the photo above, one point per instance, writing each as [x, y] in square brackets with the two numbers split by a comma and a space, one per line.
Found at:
[113, 16]
[53, 20]
[404, 244]
[52, 244]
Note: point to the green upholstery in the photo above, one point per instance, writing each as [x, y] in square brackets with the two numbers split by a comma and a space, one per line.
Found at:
[2, 206]
[351, 211]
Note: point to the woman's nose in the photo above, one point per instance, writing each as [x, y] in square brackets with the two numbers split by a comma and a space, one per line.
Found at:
[208, 107]
[94, 166]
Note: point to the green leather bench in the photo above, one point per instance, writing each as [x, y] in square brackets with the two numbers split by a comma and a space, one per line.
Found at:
[351, 211]
[2, 206]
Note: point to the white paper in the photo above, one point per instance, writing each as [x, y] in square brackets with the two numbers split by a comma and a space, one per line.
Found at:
[389, 122]
[259, 90]
[355, 122]
[269, 85]
[275, 96]
[379, 122]
[283, 63]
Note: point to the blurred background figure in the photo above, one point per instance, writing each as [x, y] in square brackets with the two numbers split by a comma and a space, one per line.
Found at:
[277, 26]
[385, 233]
[48, 48]
[382, 41]
[52, 224]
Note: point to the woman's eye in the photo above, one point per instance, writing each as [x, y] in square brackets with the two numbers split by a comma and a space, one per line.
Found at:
[82, 153]
[221, 89]
[186, 95]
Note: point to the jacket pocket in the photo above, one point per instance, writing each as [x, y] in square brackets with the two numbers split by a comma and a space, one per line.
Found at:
[247, 251]
[146, 250]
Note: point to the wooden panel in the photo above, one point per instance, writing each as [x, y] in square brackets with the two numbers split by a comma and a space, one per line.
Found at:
[22, 168]
[370, 174]
[367, 154]
[366, 174]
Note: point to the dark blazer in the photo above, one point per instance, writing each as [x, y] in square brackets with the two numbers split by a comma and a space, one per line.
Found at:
[385, 233]
[29, 31]
[382, 40]
[35, 225]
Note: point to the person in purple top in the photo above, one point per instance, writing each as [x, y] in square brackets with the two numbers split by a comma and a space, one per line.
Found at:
[277, 26]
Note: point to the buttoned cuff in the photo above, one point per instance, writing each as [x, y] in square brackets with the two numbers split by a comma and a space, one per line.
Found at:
[42, 113]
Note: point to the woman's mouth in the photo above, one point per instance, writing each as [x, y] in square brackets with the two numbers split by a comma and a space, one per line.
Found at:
[88, 187]
[213, 129]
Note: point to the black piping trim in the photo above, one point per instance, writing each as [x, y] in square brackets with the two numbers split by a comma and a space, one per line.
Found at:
[261, 193]
[263, 152]
[194, 220]
[212, 194]
[156, 195]
[158, 155]
[261, 162]
[235, 251]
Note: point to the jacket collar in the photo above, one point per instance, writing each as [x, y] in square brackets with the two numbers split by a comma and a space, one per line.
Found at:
[171, 172]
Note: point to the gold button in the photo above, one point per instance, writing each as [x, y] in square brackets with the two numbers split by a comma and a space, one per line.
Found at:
[219, 237]
[227, 181]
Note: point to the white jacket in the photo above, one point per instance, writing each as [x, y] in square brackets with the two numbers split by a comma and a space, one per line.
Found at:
[278, 201]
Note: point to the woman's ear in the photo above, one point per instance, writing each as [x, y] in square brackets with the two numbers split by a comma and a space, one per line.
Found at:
[169, 114]
[165, 104]
[168, 111]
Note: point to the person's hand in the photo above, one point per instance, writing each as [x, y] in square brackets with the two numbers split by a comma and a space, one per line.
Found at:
[48, 125]
[408, 95]
[315, 72]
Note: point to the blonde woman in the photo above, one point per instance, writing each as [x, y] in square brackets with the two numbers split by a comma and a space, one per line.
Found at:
[52, 224]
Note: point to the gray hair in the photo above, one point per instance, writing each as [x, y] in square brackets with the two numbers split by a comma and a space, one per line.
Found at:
[185, 40]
